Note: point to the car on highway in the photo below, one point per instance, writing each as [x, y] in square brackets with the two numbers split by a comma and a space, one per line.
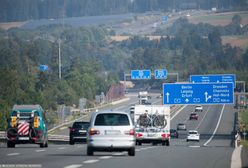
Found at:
[193, 116]
[78, 132]
[111, 131]
[173, 133]
[181, 126]
[193, 135]
[198, 108]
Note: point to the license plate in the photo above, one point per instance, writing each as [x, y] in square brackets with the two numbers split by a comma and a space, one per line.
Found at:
[151, 135]
[82, 131]
[112, 132]
[23, 138]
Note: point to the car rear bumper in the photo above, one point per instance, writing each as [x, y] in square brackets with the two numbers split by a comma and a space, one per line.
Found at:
[111, 143]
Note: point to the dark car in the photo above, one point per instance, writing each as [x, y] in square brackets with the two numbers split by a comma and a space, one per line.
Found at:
[173, 133]
[78, 132]
[193, 116]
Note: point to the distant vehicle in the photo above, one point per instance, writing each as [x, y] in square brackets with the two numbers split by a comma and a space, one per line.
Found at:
[111, 131]
[193, 135]
[78, 132]
[193, 116]
[198, 108]
[181, 126]
[27, 124]
[173, 133]
[143, 97]
[152, 124]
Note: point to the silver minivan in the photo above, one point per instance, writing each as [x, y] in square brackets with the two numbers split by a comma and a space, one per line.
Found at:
[111, 131]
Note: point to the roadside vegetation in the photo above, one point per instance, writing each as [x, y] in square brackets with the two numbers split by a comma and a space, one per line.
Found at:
[244, 126]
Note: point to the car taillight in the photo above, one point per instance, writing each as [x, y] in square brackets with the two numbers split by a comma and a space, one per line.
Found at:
[72, 129]
[139, 135]
[130, 132]
[165, 135]
[94, 132]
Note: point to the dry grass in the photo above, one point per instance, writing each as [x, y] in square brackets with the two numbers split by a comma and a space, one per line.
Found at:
[9, 25]
[236, 41]
[221, 19]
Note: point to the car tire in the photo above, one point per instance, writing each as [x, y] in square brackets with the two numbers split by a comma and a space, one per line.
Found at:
[187, 140]
[90, 151]
[167, 143]
[131, 152]
[71, 142]
[10, 144]
[163, 143]
[139, 143]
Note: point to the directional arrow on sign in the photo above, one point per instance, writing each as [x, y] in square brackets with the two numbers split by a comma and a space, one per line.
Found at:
[167, 97]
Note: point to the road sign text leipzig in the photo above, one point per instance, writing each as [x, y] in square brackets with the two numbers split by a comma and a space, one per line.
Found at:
[196, 93]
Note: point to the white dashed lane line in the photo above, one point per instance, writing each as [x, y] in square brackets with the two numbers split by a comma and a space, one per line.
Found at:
[40, 150]
[105, 157]
[91, 161]
[13, 154]
[74, 166]
[61, 148]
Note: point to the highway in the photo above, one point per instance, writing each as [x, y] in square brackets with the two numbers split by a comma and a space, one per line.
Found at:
[215, 124]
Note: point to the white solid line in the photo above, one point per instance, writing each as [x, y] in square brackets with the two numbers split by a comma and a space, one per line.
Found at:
[105, 157]
[202, 118]
[90, 161]
[210, 139]
[13, 154]
[40, 150]
[178, 112]
[74, 166]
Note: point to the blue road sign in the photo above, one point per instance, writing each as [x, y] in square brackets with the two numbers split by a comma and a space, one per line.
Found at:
[140, 74]
[220, 78]
[160, 74]
[165, 19]
[43, 68]
[196, 93]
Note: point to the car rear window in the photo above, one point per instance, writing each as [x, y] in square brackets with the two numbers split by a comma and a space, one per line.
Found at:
[111, 120]
[80, 125]
[192, 132]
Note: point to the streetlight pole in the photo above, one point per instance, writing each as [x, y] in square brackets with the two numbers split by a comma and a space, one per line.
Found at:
[59, 60]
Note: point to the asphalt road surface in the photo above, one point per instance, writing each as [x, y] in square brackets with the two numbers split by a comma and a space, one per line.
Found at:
[215, 124]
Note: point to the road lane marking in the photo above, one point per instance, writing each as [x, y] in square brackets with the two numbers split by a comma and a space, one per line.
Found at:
[105, 157]
[119, 154]
[74, 166]
[194, 146]
[210, 139]
[13, 154]
[61, 148]
[118, 108]
[202, 118]
[90, 161]
[178, 112]
[40, 150]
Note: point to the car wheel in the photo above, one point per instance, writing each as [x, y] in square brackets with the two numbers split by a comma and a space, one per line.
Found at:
[187, 140]
[139, 143]
[163, 143]
[10, 144]
[131, 152]
[90, 151]
[71, 142]
[167, 143]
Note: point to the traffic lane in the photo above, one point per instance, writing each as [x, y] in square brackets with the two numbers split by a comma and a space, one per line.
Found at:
[173, 156]
[182, 116]
[224, 135]
[58, 155]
